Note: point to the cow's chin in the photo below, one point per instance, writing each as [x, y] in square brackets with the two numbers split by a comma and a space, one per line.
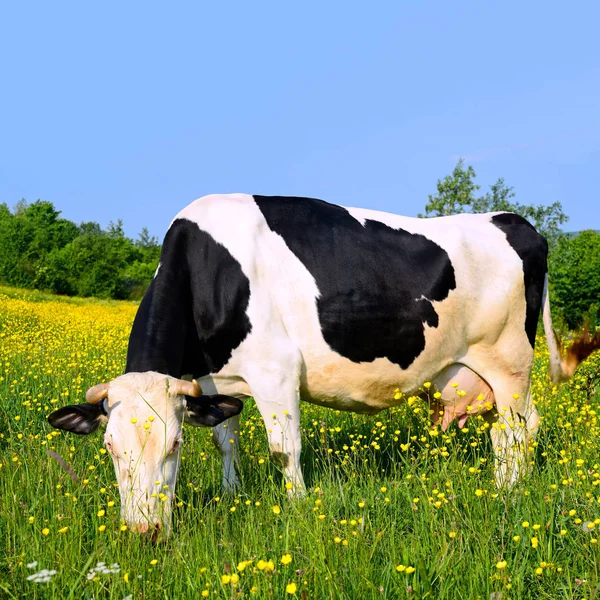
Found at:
[149, 518]
[147, 507]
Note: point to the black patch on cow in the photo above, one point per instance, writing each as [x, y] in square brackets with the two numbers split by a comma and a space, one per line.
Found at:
[532, 249]
[376, 283]
[208, 411]
[193, 315]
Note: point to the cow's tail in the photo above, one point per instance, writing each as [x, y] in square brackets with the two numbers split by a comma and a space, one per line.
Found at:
[564, 363]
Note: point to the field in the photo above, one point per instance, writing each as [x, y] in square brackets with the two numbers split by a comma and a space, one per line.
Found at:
[394, 509]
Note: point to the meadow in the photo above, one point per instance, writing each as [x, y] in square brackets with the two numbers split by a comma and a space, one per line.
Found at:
[395, 508]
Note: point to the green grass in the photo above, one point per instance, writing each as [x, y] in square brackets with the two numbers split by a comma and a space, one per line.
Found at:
[373, 503]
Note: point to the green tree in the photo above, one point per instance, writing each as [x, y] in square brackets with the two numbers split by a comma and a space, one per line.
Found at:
[575, 277]
[456, 193]
[41, 249]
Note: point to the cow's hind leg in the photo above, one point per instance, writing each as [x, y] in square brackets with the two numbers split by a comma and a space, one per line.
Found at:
[277, 396]
[513, 428]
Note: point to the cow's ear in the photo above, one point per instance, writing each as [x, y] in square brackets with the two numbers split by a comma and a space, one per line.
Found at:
[78, 418]
[208, 411]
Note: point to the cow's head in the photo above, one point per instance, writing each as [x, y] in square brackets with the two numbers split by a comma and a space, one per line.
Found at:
[144, 413]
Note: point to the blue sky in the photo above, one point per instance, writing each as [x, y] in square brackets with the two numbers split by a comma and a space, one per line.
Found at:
[131, 110]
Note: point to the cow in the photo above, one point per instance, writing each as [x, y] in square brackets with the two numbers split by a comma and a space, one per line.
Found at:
[285, 298]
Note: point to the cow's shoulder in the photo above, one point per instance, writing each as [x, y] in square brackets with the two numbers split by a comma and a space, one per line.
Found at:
[193, 315]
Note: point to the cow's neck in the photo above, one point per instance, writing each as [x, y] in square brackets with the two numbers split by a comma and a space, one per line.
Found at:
[163, 337]
[194, 313]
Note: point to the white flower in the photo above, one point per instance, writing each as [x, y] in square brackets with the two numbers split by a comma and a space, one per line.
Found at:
[44, 576]
[32, 565]
[102, 569]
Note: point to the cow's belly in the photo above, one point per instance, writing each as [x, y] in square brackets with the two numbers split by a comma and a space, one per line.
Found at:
[335, 382]
[338, 383]
[369, 388]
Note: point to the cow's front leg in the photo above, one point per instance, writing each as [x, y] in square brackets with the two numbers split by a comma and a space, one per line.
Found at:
[278, 401]
[226, 438]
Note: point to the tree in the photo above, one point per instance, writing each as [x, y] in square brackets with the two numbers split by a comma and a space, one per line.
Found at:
[40, 249]
[145, 240]
[575, 276]
[456, 193]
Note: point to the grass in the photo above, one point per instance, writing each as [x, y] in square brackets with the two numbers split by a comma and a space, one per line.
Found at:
[395, 509]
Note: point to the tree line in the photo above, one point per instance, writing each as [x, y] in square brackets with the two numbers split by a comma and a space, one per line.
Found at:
[40, 249]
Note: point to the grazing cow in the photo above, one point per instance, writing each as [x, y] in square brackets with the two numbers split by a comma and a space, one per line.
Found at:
[282, 298]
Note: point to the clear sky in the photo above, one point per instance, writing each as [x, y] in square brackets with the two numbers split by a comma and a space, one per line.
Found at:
[132, 110]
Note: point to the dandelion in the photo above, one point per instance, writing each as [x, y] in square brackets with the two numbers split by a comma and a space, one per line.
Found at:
[500, 565]
[45, 531]
[291, 588]
[534, 542]
[276, 509]
[286, 559]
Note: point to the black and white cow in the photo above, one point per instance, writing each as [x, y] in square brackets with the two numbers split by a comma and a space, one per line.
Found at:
[289, 298]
